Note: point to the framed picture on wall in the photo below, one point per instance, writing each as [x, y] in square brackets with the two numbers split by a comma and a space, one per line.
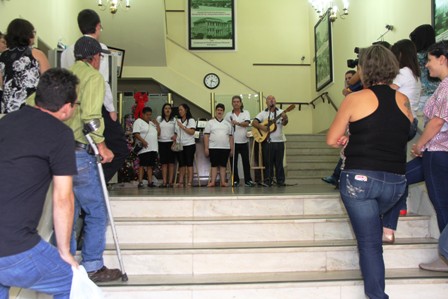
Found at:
[439, 19]
[119, 53]
[323, 53]
[211, 24]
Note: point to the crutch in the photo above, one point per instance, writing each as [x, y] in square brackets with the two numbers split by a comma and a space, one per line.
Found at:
[90, 127]
[233, 157]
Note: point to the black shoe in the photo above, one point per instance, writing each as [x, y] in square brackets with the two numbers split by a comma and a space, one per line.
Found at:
[151, 185]
[330, 180]
[266, 184]
[104, 275]
[281, 184]
[140, 185]
[250, 184]
[236, 184]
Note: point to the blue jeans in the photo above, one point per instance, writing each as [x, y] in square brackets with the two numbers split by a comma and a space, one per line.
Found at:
[433, 169]
[367, 195]
[443, 243]
[89, 197]
[39, 268]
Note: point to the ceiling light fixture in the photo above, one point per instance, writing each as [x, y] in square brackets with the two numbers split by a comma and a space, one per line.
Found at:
[113, 5]
[322, 6]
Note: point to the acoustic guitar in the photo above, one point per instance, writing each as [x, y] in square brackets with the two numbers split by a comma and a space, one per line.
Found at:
[259, 135]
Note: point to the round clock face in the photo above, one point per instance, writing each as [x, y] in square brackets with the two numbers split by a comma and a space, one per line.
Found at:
[211, 81]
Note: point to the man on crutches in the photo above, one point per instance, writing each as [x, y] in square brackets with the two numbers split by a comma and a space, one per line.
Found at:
[87, 186]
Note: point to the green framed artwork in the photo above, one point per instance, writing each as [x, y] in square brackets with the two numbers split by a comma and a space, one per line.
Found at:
[211, 24]
[440, 19]
[323, 52]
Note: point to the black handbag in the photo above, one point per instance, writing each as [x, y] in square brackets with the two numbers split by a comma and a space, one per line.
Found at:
[137, 147]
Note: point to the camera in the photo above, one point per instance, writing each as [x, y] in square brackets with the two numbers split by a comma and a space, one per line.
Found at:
[352, 63]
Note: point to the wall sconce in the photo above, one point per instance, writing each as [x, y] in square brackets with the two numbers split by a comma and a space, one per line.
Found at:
[113, 5]
[322, 6]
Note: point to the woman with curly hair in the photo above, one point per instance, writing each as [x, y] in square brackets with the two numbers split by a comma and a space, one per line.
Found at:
[373, 176]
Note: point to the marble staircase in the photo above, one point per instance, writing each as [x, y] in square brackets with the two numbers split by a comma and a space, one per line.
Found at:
[189, 244]
[308, 158]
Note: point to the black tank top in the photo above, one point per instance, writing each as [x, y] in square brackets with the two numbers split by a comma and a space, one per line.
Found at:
[378, 141]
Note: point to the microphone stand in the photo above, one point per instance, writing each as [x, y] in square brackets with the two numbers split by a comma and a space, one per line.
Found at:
[233, 157]
[268, 140]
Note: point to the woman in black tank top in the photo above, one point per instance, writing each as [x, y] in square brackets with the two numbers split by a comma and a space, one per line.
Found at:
[378, 119]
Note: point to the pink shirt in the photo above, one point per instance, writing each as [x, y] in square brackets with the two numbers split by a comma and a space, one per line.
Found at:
[437, 106]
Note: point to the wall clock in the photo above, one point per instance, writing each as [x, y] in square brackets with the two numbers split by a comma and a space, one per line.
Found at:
[211, 80]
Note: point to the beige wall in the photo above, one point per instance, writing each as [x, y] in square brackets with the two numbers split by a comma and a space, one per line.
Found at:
[267, 32]
[49, 17]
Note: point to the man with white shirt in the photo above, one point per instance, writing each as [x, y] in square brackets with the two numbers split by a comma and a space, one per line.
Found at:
[240, 120]
[90, 25]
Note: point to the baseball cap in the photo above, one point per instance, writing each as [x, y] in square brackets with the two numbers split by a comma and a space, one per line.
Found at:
[87, 47]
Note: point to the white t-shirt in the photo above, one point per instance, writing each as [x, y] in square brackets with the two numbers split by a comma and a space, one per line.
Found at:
[68, 59]
[277, 135]
[240, 133]
[409, 86]
[167, 129]
[219, 132]
[182, 136]
[148, 132]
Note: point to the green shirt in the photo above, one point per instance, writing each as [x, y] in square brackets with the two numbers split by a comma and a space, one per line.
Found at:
[90, 101]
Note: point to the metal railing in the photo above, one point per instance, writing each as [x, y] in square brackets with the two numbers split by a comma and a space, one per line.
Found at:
[324, 97]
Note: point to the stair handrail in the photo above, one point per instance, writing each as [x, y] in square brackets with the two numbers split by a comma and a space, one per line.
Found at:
[213, 65]
[322, 96]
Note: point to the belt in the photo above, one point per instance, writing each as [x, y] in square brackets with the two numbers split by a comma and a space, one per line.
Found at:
[84, 147]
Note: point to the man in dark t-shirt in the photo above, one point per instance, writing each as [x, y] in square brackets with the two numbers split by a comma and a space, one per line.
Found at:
[36, 147]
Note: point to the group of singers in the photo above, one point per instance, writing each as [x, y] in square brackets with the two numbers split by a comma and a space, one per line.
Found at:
[225, 136]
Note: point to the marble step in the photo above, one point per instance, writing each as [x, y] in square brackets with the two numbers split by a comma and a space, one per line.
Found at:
[296, 174]
[306, 144]
[402, 283]
[306, 137]
[175, 205]
[311, 159]
[292, 150]
[200, 230]
[308, 180]
[304, 165]
[263, 260]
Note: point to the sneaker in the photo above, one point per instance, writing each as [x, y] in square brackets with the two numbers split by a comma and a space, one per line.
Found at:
[267, 184]
[140, 185]
[104, 275]
[249, 184]
[330, 180]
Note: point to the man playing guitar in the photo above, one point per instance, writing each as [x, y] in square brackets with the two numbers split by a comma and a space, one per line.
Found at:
[273, 146]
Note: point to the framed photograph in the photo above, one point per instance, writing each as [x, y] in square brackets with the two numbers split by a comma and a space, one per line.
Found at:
[323, 53]
[211, 24]
[119, 53]
[439, 19]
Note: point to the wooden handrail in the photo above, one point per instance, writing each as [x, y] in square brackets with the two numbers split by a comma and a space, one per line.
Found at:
[324, 96]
